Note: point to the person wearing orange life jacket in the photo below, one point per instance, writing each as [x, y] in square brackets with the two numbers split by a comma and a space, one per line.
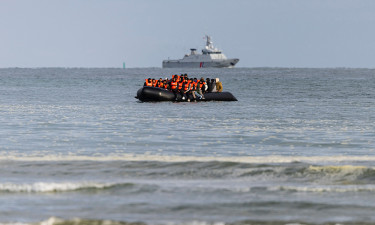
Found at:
[177, 77]
[180, 83]
[185, 89]
[190, 82]
[165, 84]
[148, 82]
[193, 88]
[201, 87]
[182, 76]
[194, 84]
[159, 83]
[154, 82]
[173, 85]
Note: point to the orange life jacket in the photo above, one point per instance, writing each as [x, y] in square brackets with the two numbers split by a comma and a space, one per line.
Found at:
[148, 84]
[194, 85]
[180, 85]
[177, 76]
[160, 84]
[173, 85]
[186, 86]
[201, 84]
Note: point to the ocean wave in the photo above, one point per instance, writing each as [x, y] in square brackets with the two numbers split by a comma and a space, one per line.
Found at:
[344, 174]
[76, 221]
[331, 189]
[299, 172]
[45, 187]
[270, 169]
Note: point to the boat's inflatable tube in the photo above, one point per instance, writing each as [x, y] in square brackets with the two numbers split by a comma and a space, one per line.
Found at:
[154, 94]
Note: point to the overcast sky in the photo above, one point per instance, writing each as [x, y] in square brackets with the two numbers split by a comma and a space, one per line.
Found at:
[261, 33]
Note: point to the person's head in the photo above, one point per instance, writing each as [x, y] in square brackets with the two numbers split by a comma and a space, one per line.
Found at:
[217, 80]
[213, 80]
[202, 79]
[160, 79]
[149, 79]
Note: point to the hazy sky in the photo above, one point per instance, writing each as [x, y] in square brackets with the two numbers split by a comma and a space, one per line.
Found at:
[261, 33]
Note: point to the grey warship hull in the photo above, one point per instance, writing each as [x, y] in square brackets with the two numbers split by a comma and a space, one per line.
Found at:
[228, 63]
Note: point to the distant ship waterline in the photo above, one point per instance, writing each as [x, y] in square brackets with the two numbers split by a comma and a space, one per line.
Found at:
[210, 57]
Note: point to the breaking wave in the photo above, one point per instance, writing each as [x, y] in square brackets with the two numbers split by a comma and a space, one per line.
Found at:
[319, 174]
[147, 176]
[45, 187]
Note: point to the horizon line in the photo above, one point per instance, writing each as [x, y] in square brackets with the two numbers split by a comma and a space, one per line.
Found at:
[153, 67]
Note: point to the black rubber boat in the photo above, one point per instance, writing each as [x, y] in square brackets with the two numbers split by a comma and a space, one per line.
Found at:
[155, 94]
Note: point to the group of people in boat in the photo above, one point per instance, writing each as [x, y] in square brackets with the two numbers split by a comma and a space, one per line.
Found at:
[189, 88]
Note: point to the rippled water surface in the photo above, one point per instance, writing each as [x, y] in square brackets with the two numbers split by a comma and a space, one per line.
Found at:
[77, 147]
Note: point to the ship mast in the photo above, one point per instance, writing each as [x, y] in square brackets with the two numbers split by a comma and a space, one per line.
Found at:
[209, 43]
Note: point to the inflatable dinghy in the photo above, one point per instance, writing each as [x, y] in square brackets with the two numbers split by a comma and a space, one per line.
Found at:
[155, 94]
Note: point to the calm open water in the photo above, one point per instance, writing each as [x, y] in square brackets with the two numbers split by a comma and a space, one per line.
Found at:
[76, 147]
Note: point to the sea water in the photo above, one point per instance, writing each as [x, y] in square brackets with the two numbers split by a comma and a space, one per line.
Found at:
[297, 147]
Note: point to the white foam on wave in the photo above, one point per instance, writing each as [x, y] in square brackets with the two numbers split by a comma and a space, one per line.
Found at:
[195, 222]
[344, 170]
[175, 158]
[321, 189]
[44, 187]
[76, 221]
[15, 223]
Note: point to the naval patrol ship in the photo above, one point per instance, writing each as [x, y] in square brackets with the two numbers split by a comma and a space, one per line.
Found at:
[211, 57]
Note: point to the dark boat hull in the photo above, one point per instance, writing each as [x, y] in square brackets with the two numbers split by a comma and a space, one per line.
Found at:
[154, 94]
